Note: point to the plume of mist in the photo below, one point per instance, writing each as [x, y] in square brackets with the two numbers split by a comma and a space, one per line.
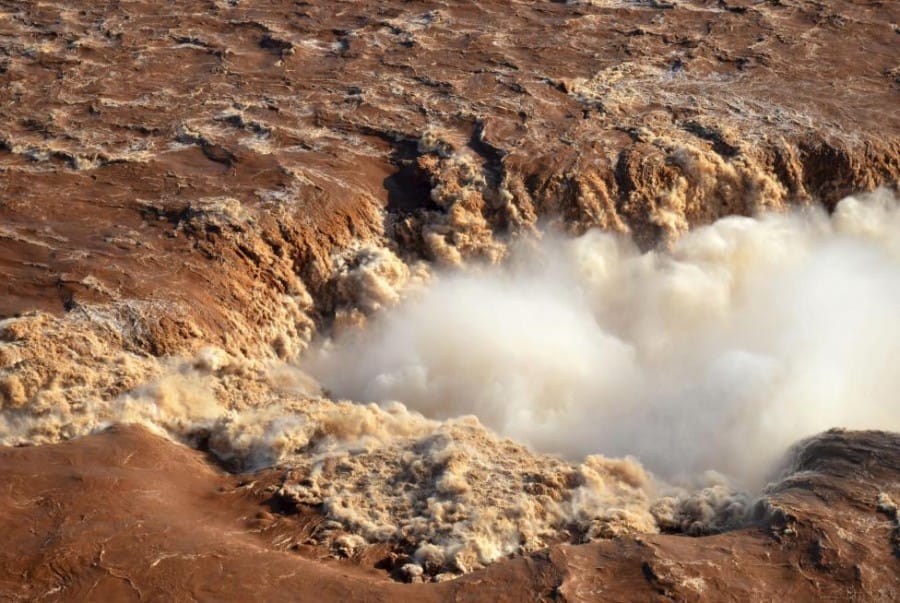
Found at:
[717, 354]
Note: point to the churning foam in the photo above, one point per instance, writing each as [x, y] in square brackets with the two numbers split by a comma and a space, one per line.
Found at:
[717, 354]
[746, 336]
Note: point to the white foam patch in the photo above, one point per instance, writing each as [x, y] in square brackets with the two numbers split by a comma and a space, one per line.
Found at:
[718, 354]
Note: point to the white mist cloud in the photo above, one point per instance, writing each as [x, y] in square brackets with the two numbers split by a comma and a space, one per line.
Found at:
[748, 335]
